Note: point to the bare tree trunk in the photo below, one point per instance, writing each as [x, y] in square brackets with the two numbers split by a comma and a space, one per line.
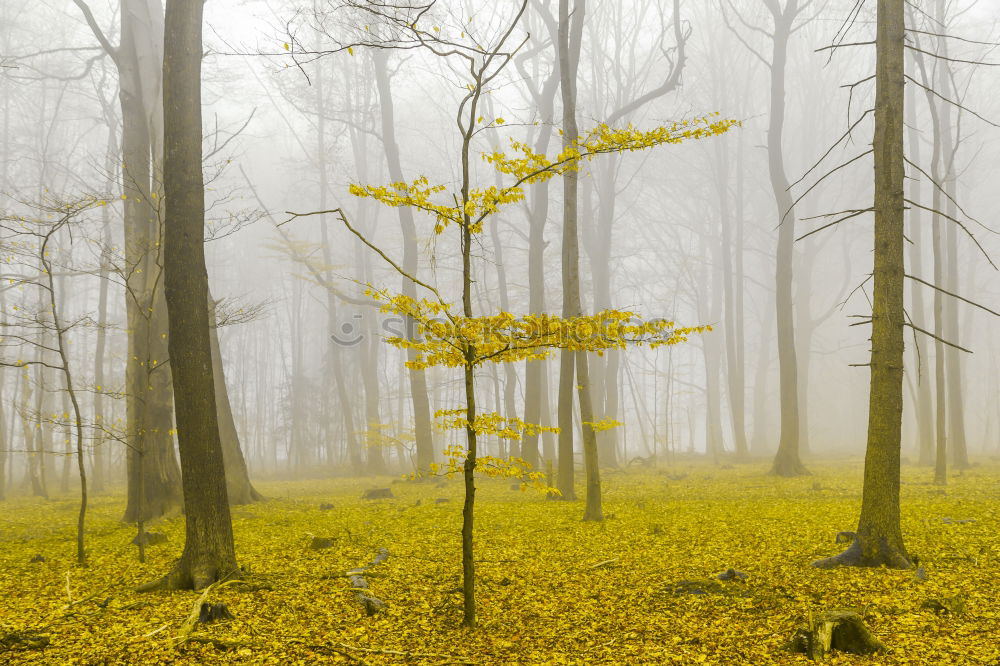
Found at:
[732, 316]
[537, 408]
[238, 486]
[209, 554]
[786, 461]
[712, 348]
[761, 401]
[418, 379]
[879, 535]
[951, 330]
[101, 347]
[922, 399]
[570, 37]
[5, 442]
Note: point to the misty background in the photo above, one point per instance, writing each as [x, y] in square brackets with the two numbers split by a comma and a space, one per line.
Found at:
[684, 232]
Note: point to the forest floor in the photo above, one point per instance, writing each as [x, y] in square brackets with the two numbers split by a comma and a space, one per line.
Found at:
[551, 589]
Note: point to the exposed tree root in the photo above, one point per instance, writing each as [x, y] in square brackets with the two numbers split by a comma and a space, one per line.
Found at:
[186, 576]
[855, 556]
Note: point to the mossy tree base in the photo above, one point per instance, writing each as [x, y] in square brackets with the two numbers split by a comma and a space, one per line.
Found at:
[857, 555]
[192, 574]
[831, 630]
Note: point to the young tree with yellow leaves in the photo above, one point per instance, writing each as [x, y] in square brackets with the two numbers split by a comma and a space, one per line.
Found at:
[456, 338]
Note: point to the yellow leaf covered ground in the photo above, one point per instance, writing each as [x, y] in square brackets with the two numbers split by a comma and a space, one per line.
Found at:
[552, 589]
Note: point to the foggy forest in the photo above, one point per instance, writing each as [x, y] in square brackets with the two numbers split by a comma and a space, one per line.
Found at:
[499, 332]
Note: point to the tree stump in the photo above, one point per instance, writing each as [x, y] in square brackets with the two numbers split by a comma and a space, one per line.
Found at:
[213, 613]
[841, 630]
[378, 493]
[319, 543]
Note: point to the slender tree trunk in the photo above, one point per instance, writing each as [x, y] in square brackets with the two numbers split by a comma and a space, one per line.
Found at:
[712, 348]
[418, 379]
[238, 486]
[761, 399]
[570, 37]
[5, 441]
[731, 315]
[923, 400]
[952, 332]
[209, 554]
[879, 535]
[101, 346]
[537, 408]
[786, 461]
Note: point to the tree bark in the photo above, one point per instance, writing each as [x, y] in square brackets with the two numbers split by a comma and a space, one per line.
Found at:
[922, 387]
[952, 331]
[209, 554]
[879, 535]
[418, 379]
[238, 486]
[786, 461]
[570, 38]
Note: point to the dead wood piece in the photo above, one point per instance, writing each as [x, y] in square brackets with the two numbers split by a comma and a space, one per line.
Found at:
[442, 500]
[319, 543]
[841, 630]
[946, 605]
[378, 493]
[325, 506]
[642, 462]
[605, 563]
[732, 574]
[213, 613]
[23, 640]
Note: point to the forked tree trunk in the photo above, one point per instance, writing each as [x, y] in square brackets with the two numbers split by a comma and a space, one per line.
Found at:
[879, 536]
[570, 37]
[208, 553]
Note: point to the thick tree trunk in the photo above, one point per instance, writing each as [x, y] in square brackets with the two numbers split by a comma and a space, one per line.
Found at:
[208, 554]
[879, 536]
[149, 403]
